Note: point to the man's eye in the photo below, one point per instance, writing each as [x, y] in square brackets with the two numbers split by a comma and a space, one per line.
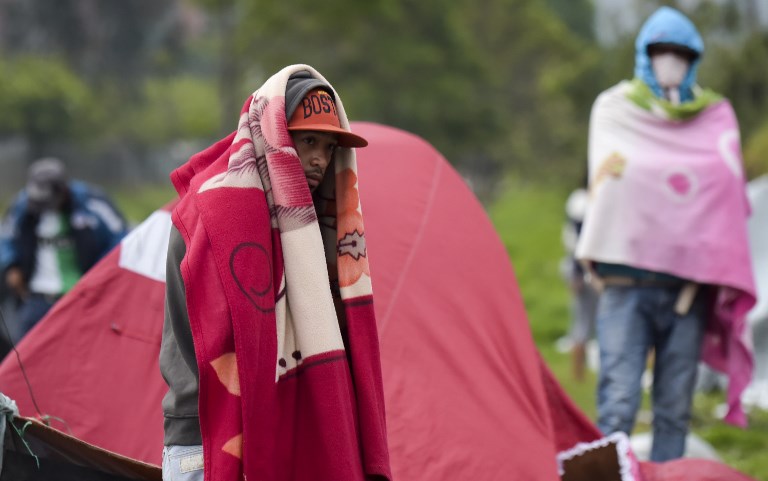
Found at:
[309, 140]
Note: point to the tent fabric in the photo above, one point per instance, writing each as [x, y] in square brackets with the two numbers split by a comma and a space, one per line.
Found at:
[458, 359]
[571, 425]
[467, 395]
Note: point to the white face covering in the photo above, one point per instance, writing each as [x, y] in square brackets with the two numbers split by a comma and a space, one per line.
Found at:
[670, 70]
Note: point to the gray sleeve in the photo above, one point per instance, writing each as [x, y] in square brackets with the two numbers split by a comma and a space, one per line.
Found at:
[176, 315]
[177, 356]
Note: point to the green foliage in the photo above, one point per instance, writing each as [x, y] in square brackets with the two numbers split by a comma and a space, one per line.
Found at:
[497, 85]
[43, 99]
[138, 202]
[756, 153]
[108, 39]
[529, 220]
[743, 449]
[172, 108]
[576, 14]
[470, 76]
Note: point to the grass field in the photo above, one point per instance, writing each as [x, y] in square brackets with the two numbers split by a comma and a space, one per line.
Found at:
[529, 219]
[137, 203]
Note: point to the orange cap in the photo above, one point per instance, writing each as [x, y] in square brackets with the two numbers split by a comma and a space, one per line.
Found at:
[317, 111]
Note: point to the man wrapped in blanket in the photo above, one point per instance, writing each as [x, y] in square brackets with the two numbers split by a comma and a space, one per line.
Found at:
[270, 348]
[666, 237]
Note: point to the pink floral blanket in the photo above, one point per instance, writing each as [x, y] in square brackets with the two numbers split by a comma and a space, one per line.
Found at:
[669, 196]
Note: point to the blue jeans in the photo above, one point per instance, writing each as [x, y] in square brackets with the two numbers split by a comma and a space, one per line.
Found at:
[183, 463]
[631, 321]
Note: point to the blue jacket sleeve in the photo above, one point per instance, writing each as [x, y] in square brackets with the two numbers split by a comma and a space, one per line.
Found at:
[98, 223]
[9, 233]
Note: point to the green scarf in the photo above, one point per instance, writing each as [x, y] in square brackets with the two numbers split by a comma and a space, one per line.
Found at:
[642, 95]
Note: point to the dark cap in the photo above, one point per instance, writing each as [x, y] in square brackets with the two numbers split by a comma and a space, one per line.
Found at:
[45, 179]
[299, 84]
[682, 50]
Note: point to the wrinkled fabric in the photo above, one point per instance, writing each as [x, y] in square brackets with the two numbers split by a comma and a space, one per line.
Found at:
[281, 396]
[669, 196]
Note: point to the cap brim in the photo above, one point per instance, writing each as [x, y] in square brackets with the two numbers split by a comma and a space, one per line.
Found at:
[680, 49]
[346, 138]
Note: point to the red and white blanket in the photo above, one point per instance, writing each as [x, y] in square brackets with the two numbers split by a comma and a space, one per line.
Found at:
[281, 398]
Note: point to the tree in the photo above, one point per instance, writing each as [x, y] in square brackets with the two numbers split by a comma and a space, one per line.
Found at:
[44, 100]
[101, 39]
[473, 77]
[577, 15]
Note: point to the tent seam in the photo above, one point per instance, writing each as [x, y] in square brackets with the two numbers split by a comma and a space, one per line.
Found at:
[416, 242]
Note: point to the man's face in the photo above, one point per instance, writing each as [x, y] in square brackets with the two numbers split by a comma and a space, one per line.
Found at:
[670, 64]
[315, 151]
[46, 196]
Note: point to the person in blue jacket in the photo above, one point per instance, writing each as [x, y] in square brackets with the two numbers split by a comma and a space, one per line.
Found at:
[53, 232]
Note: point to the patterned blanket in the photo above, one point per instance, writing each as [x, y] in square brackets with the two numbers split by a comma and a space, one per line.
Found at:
[281, 397]
[668, 195]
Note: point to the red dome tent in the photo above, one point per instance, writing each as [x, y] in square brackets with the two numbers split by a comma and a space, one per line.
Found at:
[466, 394]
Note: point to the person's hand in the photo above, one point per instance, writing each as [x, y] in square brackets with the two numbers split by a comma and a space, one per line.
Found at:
[577, 283]
[15, 281]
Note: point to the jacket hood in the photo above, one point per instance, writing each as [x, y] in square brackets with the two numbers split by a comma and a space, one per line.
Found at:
[667, 25]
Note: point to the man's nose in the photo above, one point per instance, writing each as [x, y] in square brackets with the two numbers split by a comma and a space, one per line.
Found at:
[322, 158]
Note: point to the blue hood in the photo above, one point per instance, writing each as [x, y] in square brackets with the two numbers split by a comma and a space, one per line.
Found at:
[667, 25]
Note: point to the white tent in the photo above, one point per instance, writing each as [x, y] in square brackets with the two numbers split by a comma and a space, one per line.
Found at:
[757, 393]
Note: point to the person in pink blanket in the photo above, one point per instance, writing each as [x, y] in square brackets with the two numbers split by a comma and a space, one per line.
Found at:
[666, 236]
[269, 344]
